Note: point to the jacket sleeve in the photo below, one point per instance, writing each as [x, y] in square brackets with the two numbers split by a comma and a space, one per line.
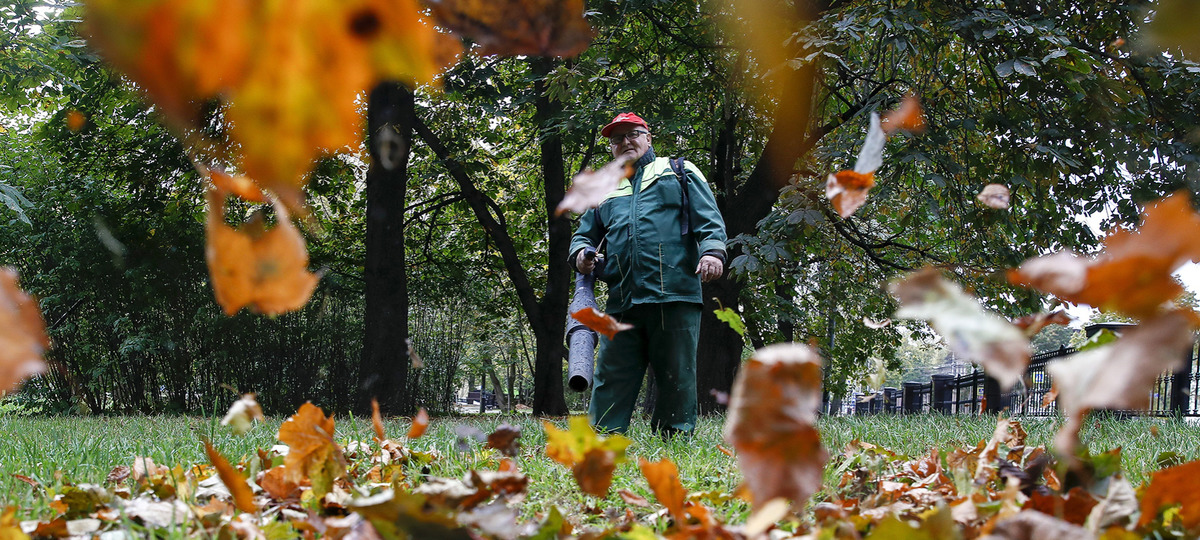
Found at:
[588, 234]
[708, 227]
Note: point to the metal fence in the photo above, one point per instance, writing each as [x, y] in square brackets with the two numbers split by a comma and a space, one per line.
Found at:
[1174, 393]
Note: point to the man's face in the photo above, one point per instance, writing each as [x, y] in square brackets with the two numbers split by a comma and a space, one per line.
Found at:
[629, 141]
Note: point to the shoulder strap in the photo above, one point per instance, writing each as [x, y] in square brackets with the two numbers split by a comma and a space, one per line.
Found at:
[684, 207]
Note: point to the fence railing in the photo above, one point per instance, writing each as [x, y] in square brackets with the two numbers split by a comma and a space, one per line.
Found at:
[1174, 393]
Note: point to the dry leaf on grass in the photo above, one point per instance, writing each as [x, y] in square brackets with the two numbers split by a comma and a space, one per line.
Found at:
[22, 333]
[377, 421]
[772, 423]
[601, 322]
[312, 452]
[505, 439]
[233, 480]
[242, 414]
[1170, 486]
[663, 478]
[1119, 375]
[591, 457]
[589, 188]
[972, 332]
[420, 423]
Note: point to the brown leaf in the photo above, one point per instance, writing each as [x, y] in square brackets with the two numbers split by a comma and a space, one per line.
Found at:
[589, 188]
[312, 452]
[420, 423]
[847, 190]
[1173, 486]
[517, 27]
[663, 477]
[117, 475]
[1032, 324]
[240, 185]
[504, 439]
[26, 479]
[233, 480]
[908, 117]
[594, 472]
[1031, 525]
[994, 196]
[725, 451]
[772, 423]
[277, 482]
[22, 333]
[972, 332]
[377, 421]
[600, 321]
[1132, 274]
[1119, 375]
[633, 498]
[265, 270]
[1072, 508]
[242, 414]
[75, 120]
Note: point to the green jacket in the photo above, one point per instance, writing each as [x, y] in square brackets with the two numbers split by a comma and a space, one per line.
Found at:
[646, 259]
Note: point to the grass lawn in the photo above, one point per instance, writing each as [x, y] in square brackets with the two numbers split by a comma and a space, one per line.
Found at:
[72, 450]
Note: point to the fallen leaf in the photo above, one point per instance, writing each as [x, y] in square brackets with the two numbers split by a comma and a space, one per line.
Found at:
[277, 482]
[870, 156]
[725, 451]
[600, 321]
[420, 423]
[1119, 375]
[265, 270]
[580, 443]
[505, 439]
[663, 478]
[772, 423]
[22, 334]
[241, 186]
[312, 452]
[908, 116]
[972, 332]
[589, 188]
[517, 27]
[417, 362]
[377, 421]
[1032, 525]
[594, 472]
[242, 414]
[633, 498]
[994, 196]
[233, 480]
[1173, 486]
[1032, 324]
[847, 191]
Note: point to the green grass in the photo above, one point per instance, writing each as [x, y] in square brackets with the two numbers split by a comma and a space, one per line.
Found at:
[56, 451]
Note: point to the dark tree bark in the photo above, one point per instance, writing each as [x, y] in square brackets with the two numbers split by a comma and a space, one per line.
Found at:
[383, 372]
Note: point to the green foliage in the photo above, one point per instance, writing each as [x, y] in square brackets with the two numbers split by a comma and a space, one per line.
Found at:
[730, 317]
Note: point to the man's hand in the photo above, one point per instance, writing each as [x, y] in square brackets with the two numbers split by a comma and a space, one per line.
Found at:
[584, 264]
[710, 268]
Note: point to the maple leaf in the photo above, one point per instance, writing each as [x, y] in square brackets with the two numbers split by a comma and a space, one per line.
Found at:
[1119, 375]
[601, 322]
[420, 423]
[233, 480]
[312, 452]
[517, 27]
[242, 414]
[994, 196]
[592, 458]
[772, 423]
[972, 332]
[1132, 273]
[589, 187]
[663, 477]
[265, 270]
[504, 439]
[22, 333]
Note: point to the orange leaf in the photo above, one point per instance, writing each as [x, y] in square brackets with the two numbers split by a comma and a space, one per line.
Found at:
[1032, 324]
[908, 116]
[243, 497]
[75, 120]
[847, 191]
[517, 27]
[1132, 274]
[420, 423]
[267, 271]
[311, 448]
[22, 333]
[589, 188]
[1173, 486]
[377, 421]
[772, 423]
[276, 482]
[241, 186]
[594, 472]
[633, 498]
[663, 477]
[600, 321]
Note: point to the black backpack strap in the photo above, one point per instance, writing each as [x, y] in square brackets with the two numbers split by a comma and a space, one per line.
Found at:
[685, 206]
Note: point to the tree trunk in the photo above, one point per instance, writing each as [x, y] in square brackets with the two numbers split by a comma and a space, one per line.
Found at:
[383, 372]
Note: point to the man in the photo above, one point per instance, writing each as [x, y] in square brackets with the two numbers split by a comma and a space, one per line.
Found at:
[659, 246]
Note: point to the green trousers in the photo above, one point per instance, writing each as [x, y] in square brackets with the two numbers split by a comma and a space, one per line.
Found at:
[663, 337]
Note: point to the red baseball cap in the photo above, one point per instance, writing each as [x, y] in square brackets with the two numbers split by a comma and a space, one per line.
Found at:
[623, 118]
